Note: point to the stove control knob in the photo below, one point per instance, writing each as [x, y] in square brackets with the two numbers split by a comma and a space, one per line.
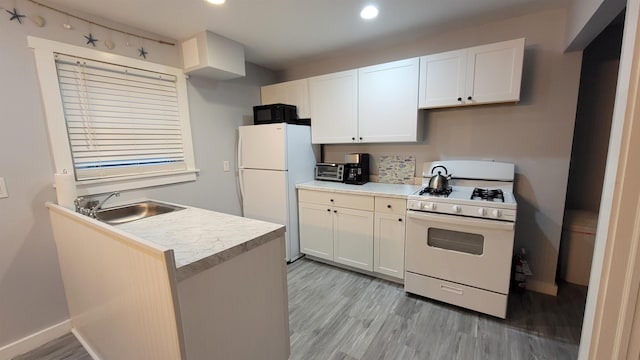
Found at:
[496, 213]
[417, 205]
[482, 211]
[429, 206]
[456, 208]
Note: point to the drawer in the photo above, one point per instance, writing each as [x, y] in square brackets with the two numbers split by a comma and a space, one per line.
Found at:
[456, 294]
[391, 205]
[315, 197]
[349, 201]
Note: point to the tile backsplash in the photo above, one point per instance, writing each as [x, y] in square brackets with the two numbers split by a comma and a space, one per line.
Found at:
[397, 169]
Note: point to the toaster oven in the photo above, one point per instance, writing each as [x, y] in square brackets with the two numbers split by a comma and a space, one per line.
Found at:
[329, 172]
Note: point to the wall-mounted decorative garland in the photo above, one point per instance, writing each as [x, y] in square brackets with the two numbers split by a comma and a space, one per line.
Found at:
[14, 14]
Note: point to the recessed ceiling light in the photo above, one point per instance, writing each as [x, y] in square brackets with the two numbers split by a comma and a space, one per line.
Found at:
[216, 2]
[369, 12]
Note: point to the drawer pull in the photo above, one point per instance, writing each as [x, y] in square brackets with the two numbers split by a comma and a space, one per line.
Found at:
[451, 289]
[388, 206]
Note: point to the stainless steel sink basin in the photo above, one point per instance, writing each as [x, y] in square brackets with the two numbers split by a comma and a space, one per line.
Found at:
[133, 212]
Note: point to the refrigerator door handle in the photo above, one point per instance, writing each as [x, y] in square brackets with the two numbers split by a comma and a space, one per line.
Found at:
[240, 173]
[240, 151]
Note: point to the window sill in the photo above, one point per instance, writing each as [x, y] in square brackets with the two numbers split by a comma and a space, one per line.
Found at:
[94, 187]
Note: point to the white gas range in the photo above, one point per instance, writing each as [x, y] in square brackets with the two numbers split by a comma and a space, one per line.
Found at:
[479, 202]
[459, 242]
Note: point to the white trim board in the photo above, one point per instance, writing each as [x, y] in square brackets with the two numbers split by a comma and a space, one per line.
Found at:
[85, 344]
[35, 340]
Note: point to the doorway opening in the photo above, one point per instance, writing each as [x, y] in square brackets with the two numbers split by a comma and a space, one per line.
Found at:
[596, 98]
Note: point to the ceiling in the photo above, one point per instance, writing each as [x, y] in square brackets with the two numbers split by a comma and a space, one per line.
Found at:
[279, 33]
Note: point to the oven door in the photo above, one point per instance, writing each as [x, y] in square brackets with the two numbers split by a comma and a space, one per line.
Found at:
[469, 251]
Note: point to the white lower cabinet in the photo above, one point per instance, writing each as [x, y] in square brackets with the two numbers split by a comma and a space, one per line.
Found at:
[352, 235]
[316, 230]
[389, 234]
[337, 227]
[360, 231]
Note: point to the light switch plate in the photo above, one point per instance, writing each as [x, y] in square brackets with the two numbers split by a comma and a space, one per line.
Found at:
[3, 189]
[225, 165]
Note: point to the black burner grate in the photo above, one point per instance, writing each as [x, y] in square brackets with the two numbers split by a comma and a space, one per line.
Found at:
[488, 194]
[440, 192]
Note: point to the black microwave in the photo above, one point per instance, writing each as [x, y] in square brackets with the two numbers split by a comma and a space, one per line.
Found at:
[275, 113]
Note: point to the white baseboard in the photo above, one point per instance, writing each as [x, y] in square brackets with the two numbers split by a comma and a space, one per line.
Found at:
[35, 340]
[85, 344]
[542, 287]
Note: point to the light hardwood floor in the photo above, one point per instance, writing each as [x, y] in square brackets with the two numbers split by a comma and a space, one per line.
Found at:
[337, 314]
[63, 348]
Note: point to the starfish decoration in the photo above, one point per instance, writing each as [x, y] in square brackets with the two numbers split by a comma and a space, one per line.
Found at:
[15, 15]
[91, 40]
[143, 52]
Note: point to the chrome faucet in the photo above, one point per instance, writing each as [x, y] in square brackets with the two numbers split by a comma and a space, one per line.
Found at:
[99, 206]
[92, 206]
[78, 204]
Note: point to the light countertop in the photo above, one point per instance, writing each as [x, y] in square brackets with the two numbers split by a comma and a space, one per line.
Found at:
[371, 188]
[201, 239]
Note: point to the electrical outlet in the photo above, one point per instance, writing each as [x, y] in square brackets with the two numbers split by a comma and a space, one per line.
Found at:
[225, 165]
[3, 189]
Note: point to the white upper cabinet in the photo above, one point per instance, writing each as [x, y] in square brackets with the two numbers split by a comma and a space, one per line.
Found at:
[291, 92]
[388, 102]
[494, 72]
[334, 107]
[442, 79]
[478, 75]
[369, 105]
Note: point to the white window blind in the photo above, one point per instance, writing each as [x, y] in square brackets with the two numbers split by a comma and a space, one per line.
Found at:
[121, 121]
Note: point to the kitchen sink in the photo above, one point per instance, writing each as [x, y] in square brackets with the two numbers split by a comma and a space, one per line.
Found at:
[132, 212]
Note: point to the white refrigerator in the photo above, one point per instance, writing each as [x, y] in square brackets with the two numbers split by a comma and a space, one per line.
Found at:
[272, 159]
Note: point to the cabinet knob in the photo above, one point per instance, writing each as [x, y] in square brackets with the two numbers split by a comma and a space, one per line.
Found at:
[459, 99]
[400, 219]
[331, 200]
[388, 206]
[329, 210]
[335, 211]
[353, 138]
[469, 98]
[360, 137]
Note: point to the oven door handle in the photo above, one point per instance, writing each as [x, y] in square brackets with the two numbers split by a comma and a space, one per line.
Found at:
[461, 221]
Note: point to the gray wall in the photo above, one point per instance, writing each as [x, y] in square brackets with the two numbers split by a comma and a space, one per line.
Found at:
[535, 134]
[31, 290]
[587, 18]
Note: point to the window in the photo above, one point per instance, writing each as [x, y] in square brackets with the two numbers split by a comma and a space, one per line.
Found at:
[117, 123]
[120, 121]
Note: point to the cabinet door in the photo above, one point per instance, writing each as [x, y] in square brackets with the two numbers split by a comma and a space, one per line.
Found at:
[353, 238]
[494, 72]
[291, 92]
[442, 79]
[388, 102]
[334, 107]
[316, 230]
[388, 244]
